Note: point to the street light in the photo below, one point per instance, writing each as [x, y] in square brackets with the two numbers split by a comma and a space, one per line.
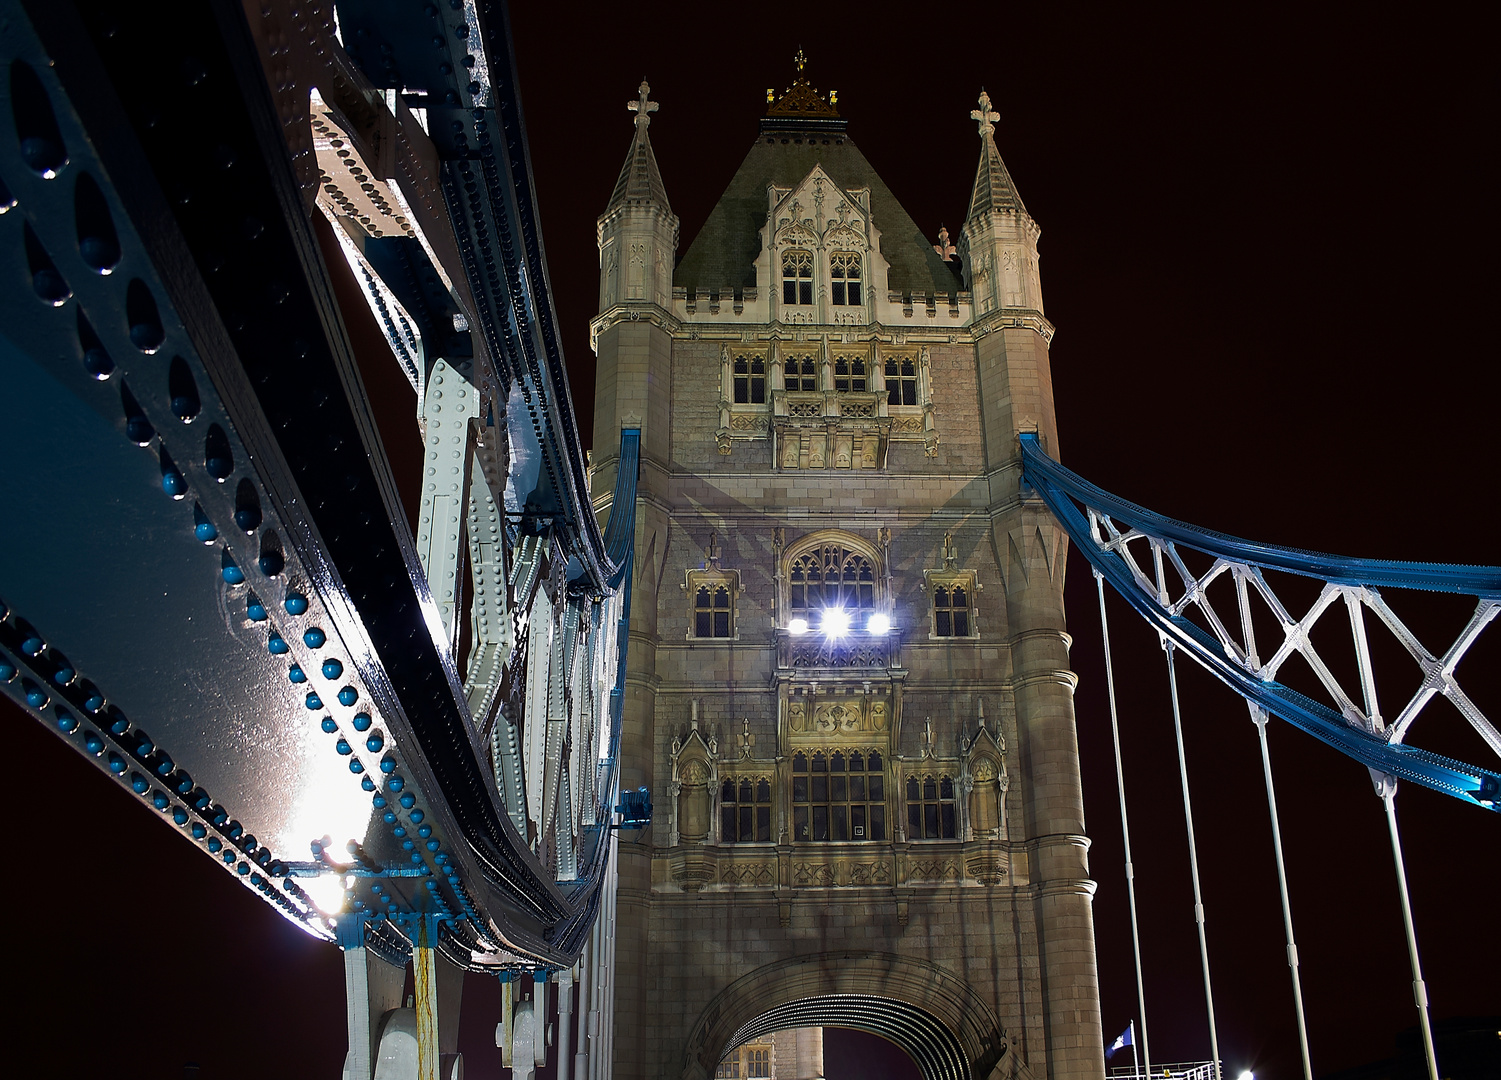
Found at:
[797, 627]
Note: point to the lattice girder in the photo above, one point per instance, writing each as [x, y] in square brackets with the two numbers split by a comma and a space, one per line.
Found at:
[1142, 553]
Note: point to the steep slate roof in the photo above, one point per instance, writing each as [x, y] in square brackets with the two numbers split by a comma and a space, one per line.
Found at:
[640, 179]
[723, 254]
[994, 189]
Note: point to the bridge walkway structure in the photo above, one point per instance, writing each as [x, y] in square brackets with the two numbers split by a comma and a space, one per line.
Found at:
[393, 715]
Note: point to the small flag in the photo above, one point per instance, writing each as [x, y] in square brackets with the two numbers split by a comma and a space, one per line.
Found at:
[1123, 1040]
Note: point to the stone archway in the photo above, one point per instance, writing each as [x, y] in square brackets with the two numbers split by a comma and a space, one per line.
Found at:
[948, 1030]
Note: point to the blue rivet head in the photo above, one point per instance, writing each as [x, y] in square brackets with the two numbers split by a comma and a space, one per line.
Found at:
[159, 800]
[255, 610]
[277, 645]
[36, 697]
[388, 765]
[408, 845]
[296, 604]
[433, 845]
[296, 674]
[180, 816]
[329, 726]
[243, 869]
[396, 784]
[174, 483]
[425, 831]
[348, 695]
[199, 831]
[332, 669]
[398, 832]
[206, 532]
[66, 722]
[116, 763]
[362, 722]
[314, 638]
[64, 675]
[374, 743]
[7, 671]
[214, 844]
[313, 701]
[139, 784]
[389, 817]
[379, 802]
[32, 645]
[93, 743]
[408, 800]
[343, 747]
[367, 783]
[417, 817]
[232, 574]
[355, 766]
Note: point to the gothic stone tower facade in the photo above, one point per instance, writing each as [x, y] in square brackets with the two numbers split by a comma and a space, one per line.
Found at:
[848, 686]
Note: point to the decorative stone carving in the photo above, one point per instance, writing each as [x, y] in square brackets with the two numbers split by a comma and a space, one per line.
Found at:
[695, 774]
[983, 783]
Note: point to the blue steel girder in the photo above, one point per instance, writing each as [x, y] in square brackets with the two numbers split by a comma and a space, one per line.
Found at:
[1138, 553]
[455, 61]
[204, 467]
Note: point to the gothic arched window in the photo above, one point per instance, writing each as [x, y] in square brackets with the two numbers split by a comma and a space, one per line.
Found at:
[839, 796]
[930, 808]
[797, 277]
[844, 272]
[800, 373]
[712, 611]
[830, 575]
[750, 380]
[849, 374]
[901, 380]
[745, 810]
[951, 610]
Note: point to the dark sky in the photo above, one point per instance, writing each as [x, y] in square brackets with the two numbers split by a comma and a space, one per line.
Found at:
[1267, 241]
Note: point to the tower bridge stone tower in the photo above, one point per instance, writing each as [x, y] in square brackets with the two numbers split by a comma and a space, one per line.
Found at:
[849, 686]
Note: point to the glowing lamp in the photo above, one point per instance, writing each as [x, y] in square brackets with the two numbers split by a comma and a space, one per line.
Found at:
[797, 627]
[878, 623]
[836, 622]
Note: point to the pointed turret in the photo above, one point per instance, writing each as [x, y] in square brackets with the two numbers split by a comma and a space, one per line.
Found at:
[638, 232]
[640, 179]
[994, 189]
[999, 238]
[638, 242]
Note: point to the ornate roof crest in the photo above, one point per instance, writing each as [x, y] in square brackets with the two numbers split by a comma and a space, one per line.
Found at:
[801, 99]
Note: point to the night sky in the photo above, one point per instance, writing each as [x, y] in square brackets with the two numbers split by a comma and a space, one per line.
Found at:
[1267, 245]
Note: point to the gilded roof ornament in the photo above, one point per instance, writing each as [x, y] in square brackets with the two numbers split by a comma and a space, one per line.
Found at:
[801, 99]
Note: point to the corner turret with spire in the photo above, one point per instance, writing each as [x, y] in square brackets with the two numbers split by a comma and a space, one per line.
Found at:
[998, 242]
[638, 232]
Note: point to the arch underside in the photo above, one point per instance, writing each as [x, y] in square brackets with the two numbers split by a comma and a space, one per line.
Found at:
[925, 1038]
[931, 1013]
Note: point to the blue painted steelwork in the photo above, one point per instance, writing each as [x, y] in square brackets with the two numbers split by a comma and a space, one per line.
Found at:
[1093, 520]
[164, 288]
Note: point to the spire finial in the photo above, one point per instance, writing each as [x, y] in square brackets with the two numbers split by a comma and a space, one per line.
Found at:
[643, 106]
[985, 116]
[801, 59]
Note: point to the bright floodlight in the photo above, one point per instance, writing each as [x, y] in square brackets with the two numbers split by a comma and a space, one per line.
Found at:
[836, 622]
[797, 626]
[1247, 1075]
[878, 623]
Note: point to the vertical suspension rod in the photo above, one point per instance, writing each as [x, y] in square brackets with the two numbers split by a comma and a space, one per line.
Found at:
[1259, 717]
[1419, 988]
[1120, 783]
[1193, 862]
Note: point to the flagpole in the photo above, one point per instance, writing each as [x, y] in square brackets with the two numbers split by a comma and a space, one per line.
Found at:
[1135, 1063]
